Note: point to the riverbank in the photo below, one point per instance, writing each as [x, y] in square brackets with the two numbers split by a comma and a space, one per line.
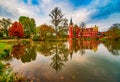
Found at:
[15, 40]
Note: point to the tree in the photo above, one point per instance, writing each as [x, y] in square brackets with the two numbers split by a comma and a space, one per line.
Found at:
[16, 30]
[45, 31]
[114, 31]
[28, 24]
[64, 23]
[5, 23]
[56, 16]
[63, 28]
[82, 25]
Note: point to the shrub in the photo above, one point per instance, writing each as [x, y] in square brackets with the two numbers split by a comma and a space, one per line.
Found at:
[35, 37]
[1, 35]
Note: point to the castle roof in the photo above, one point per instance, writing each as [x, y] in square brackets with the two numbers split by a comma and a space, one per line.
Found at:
[71, 23]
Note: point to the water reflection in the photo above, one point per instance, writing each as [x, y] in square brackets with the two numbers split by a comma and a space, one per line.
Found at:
[92, 61]
[60, 56]
[58, 50]
[81, 46]
[26, 53]
[113, 47]
[46, 48]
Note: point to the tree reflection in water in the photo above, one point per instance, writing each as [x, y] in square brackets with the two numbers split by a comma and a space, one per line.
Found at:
[58, 51]
[46, 48]
[26, 52]
[113, 47]
[60, 56]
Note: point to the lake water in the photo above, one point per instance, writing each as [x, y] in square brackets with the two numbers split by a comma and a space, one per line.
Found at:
[71, 61]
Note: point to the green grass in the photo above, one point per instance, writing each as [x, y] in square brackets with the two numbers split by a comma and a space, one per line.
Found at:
[4, 50]
[103, 39]
[2, 46]
[13, 40]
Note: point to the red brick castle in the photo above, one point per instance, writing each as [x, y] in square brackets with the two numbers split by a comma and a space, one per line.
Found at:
[79, 32]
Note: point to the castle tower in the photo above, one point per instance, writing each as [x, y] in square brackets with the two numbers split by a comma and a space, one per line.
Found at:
[71, 29]
[71, 23]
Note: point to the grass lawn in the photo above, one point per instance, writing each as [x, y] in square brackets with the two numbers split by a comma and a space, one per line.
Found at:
[14, 40]
[3, 47]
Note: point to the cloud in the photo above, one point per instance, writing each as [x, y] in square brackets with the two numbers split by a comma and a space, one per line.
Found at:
[90, 11]
[79, 16]
[104, 24]
[3, 12]
[18, 8]
[46, 1]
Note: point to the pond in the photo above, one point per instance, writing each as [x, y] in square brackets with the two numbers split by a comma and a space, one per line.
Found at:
[71, 61]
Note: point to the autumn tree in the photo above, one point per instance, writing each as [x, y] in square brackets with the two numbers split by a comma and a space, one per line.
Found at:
[5, 24]
[56, 17]
[29, 25]
[114, 31]
[16, 30]
[45, 31]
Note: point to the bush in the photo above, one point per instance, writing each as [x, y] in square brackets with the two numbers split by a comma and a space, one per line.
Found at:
[5, 37]
[1, 68]
[35, 37]
[1, 35]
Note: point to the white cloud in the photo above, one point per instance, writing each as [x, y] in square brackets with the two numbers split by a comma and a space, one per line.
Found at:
[41, 12]
[105, 24]
[46, 1]
[81, 15]
[18, 8]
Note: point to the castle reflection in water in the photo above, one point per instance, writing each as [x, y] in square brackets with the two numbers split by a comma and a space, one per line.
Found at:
[79, 45]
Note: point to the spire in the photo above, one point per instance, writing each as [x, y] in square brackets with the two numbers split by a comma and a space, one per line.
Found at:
[71, 23]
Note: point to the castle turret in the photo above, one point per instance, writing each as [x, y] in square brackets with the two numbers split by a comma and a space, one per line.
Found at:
[71, 29]
[71, 23]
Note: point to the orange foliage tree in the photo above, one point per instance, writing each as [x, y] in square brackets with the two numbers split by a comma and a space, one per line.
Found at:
[16, 30]
[45, 31]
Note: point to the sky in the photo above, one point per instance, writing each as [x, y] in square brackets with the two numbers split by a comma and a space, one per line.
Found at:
[102, 13]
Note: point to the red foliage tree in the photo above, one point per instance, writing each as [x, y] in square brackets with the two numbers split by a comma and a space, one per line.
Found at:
[16, 30]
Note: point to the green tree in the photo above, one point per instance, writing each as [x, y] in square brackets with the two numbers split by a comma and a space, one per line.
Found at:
[56, 16]
[5, 23]
[28, 24]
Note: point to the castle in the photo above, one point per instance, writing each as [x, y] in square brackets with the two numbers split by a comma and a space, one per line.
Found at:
[79, 32]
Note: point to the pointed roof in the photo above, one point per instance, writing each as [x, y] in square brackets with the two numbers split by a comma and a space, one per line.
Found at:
[71, 23]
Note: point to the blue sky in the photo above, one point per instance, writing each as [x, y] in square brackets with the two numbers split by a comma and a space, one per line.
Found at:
[102, 13]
